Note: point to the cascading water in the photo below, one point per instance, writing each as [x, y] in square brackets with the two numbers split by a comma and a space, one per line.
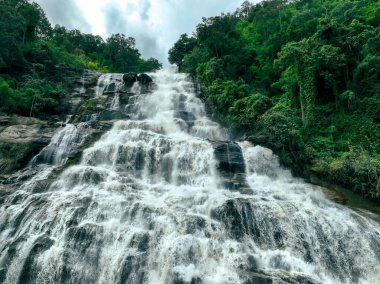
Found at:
[148, 204]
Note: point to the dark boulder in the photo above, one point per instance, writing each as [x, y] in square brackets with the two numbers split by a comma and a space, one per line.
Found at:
[258, 140]
[5, 120]
[108, 114]
[111, 88]
[239, 218]
[231, 165]
[187, 117]
[230, 157]
[133, 269]
[129, 79]
[144, 79]
[29, 271]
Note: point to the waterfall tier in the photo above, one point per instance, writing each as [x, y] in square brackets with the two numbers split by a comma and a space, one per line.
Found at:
[162, 197]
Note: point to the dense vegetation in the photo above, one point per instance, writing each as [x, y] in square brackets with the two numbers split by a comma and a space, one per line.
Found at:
[302, 77]
[34, 55]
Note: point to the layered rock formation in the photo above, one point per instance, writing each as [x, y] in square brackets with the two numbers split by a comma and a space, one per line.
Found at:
[90, 107]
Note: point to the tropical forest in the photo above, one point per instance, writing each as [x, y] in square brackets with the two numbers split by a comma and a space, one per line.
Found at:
[301, 77]
[190, 142]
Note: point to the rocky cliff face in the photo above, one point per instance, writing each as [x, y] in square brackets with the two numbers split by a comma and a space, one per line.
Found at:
[90, 109]
[164, 196]
[95, 102]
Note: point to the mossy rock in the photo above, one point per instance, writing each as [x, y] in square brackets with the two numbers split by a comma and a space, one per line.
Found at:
[335, 195]
[92, 81]
[15, 156]
[88, 107]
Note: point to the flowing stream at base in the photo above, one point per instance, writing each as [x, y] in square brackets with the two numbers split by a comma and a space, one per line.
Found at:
[146, 204]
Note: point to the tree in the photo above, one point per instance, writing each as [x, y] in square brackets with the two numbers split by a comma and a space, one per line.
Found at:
[183, 46]
[307, 57]
[122, 53]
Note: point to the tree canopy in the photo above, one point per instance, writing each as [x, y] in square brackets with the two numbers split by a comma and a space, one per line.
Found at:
[31, 49]
[303, 76]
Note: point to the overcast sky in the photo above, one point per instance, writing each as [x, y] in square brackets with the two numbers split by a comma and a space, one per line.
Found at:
[155, 24]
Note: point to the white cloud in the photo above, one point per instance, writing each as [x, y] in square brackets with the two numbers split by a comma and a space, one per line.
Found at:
[155, 24]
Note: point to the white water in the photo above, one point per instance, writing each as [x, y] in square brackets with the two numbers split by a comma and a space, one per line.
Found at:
[60, 146]
[108, 82]
[146, 204]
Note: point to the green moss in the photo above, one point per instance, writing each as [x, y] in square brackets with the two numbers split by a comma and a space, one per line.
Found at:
[14, 156]
[88, 106]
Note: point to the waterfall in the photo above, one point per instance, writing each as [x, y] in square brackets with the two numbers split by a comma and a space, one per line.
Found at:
[60, 146]
[149, 203]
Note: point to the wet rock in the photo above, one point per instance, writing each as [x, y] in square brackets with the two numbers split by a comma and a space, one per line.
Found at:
[27, 130]
[252, 264]
[17, 177]
[243, 217]
[5, 191]
[81, 250]
[257, 140]
[111, 88]
[76, 217]
[129, 79]
[5, 120]
[41, 185]
[14, 156]
[133, 269]
[187, 117]
[259, 278]
[124, 98]
[238, 217]
[140, 241]
[167, 168]
[88, 176]
[194, 223]
[139, 160]
[3, 274]
[144, 79]
[230, 157]
[112, 115]
[231, 165]
[90, 79]
[262, 277]
[81, 238]
[334, 195]
[29, 273]
[178, 279]
[20, 133]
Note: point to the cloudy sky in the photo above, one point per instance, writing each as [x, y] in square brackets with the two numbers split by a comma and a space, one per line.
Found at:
[156, 24]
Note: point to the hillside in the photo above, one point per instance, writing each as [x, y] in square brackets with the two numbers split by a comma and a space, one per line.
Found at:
[36, 59]
[301, 77]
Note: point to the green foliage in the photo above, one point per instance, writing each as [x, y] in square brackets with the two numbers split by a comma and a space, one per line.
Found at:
[88, 107]
[34, 98]
[191, 60]
[222, 94]
[303, 75]
[150, 65]
[181, 47]
[357, 168]
[281, 125]
[31, 50]
[14, 156]
[245, 112]
[7, 96]
[211, 70]
[45, 97]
